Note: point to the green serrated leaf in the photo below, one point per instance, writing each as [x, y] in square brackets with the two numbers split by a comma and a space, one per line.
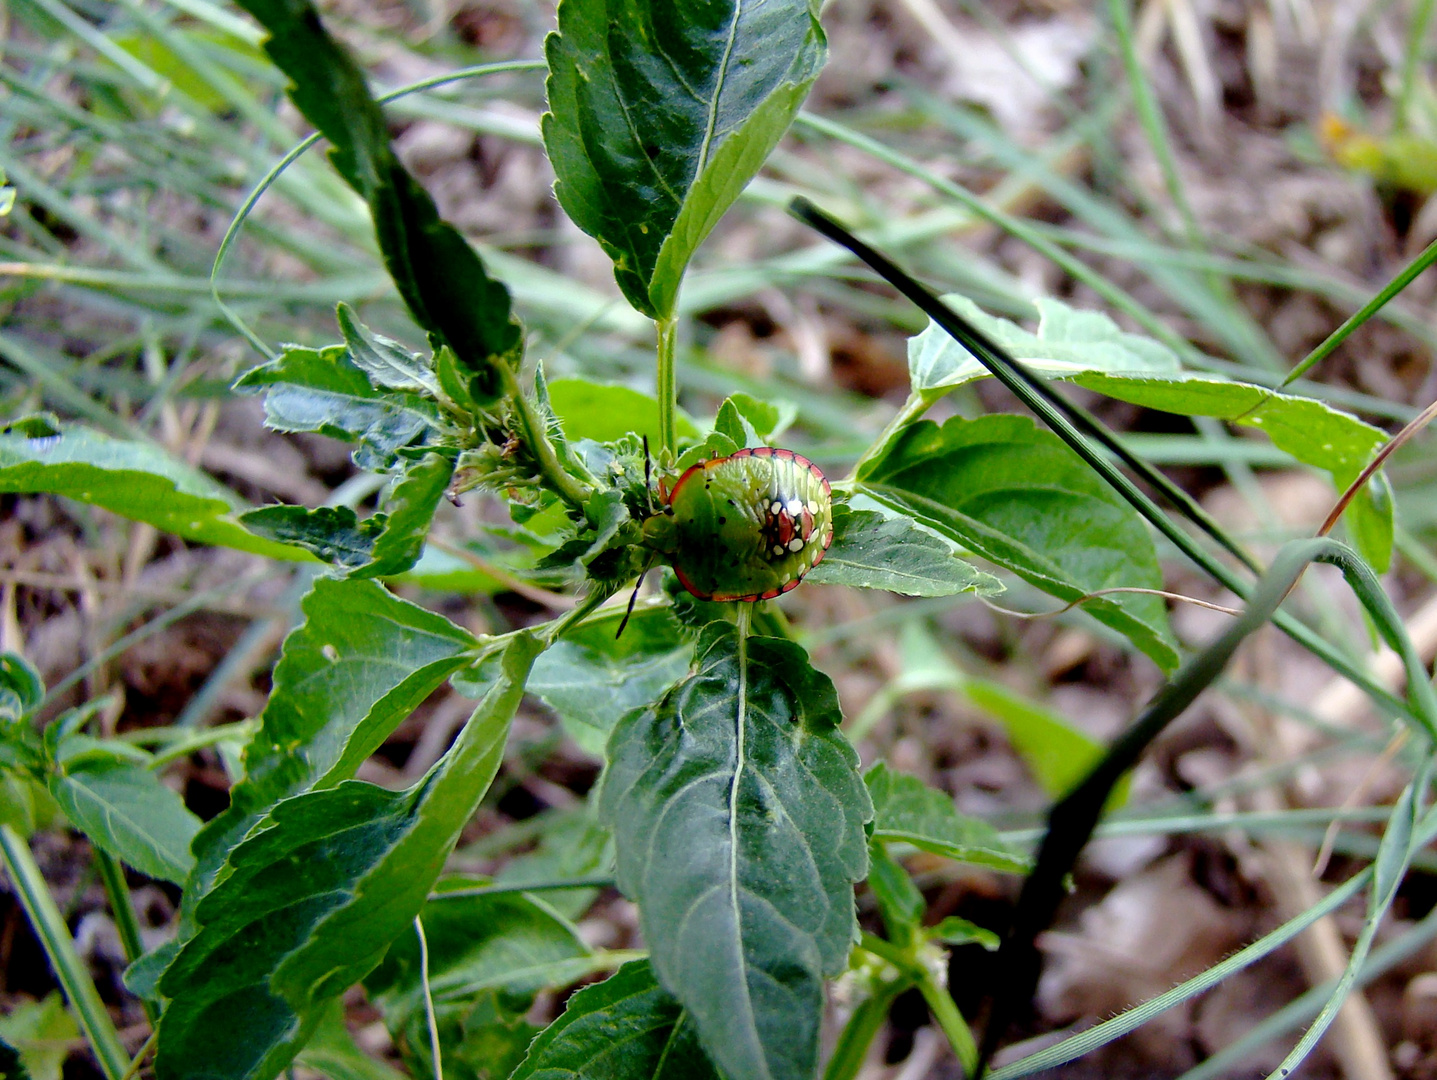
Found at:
[360, 663]
[606, 412]
[738, 820]
[480, 948]
[627, 1027]
[437, 273]
[592, 679]
[126, 810]
[907, 809]
[137, 480]
[40, 1035]
[389, 365]
[870, 551]
[1087, 348]
[312, 902]
[660, 114]
[323, 391]
[410, 506]
[333, 534]
[1015, 494]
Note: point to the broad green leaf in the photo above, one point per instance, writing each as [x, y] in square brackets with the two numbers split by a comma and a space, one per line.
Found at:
[43, 1033]
[871, 551]
[437, 273]
[592, 679]
[126, 810]
[323, 391]
[1015, 494]
[907, 809]
[360, 663]
[606, 412]
[389, 365]
[479, 948]
[738, 819]
[661, 113]
[627, 1027]
[137, 480]
[312, 902]
[331, 1052]
[1088, 348]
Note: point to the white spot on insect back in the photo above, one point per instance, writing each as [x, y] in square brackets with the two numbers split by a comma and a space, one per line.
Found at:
[796, 544]
[813, 507]
[795, 507]
[776, 508]
[778, 549]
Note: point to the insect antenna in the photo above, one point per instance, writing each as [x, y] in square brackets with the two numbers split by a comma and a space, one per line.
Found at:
[633, 598]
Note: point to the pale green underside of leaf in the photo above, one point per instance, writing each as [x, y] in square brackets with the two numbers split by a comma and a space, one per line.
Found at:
[130, 813]
[625, 1028]
[659, 116]
[905, 808]
[1004, 488]
[136, 480]
[871, 551]
[606, 412]
[312, 901]
[738, 817]
[1087, 348]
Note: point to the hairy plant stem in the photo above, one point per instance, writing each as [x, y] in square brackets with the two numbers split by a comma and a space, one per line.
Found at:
[50, 928]
[531, 428]
[666, 388]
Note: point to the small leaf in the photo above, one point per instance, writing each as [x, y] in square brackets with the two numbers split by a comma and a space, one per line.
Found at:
[435, 270]
[389, 365]
[766, 418]
[312, 902]
[738, 819]
[899, 901]
[1015, 494]
[606, 412]
[732, 422]
[40, 1035]
[592, 679]
[907, 809]
[137, 480]
[870, 551]
[333, 534]
[661, 113]
[624, 1028]
[479, 946]
[129, 812]
[323, 391]
[21, 688]
[955, 931]
[410, 507]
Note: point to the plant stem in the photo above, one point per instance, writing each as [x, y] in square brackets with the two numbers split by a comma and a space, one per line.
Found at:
[862, 1026]
[428, 999]
[666, 386]
[117, 892]
[940, 1002]
[54, 936]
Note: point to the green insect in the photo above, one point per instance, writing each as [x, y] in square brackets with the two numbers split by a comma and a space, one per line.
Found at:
[745, 527]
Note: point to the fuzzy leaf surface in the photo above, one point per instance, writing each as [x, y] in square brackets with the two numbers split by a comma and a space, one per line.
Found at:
[661, 113]
[738, 819]
[627, 1027]
[870, 551]
[137, 480]
[312, 902]
[907, 809]
[1015, 494]
[129, 812]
